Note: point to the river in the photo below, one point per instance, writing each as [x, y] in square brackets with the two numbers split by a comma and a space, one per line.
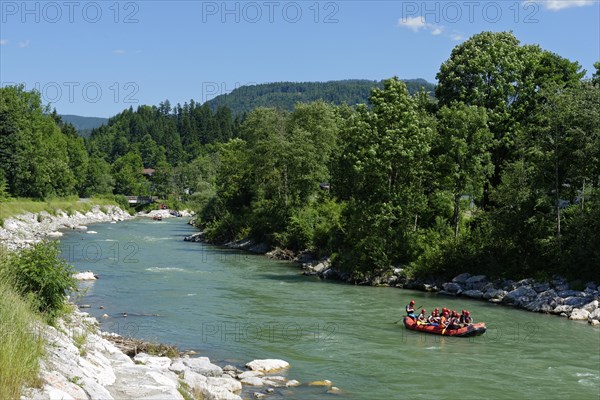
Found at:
[234, 307]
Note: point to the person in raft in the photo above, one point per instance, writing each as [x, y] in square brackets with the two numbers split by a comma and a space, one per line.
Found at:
[465, 318]
[454, 321]
[422, 318]
[410, 309]
[444, 320]
[434, 318]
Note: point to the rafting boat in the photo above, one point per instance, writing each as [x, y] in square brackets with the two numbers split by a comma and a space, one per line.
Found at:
[466, 331]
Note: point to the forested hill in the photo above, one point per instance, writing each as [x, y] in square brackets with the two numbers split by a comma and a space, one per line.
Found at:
[84, 125]
[285, 95]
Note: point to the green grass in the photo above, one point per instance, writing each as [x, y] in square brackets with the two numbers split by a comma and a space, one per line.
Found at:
[80, 341]
[70, 205]
[20, 347]
[189, 393]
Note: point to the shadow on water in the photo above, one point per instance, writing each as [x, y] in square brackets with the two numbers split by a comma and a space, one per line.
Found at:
[287, 278]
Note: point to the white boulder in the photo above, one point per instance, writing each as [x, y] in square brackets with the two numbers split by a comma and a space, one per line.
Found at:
[579, 314]
[85, 276]
[267, 365]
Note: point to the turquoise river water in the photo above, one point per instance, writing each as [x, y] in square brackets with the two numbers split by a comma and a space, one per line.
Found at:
[234, 307]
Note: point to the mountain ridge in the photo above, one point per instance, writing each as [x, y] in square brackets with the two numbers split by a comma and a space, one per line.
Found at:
[286, 94]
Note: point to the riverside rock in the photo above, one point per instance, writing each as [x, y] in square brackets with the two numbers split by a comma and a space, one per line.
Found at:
[203, 366]
[544, 302]
[579, 314]
[476, 282]
[594, 315]
[520, 295]
[267, 365]
[494, 294]
[475, 294]
[196, 237]
[462, 278]
[250, 374]
[576, 302]
[85, 276]
[452, 288]
[252, 381]
[562, 309]
[591, 306]
[541, 286]
[226, 382]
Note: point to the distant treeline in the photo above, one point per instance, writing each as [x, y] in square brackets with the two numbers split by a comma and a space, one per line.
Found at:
[285, 95]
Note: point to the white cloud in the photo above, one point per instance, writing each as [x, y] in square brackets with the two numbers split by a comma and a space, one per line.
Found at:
[3, 42]
[24, 43]
[413, 23]
[556, 5]
[416, 24]
[119, 51]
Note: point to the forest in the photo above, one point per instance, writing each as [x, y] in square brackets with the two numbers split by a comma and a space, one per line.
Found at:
[498, 173]
[285, 95]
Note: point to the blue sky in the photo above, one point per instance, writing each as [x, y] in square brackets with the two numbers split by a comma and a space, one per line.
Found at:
[97, 58]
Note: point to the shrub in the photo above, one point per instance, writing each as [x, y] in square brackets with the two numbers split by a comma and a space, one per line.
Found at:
[313, 227]
[42, 275]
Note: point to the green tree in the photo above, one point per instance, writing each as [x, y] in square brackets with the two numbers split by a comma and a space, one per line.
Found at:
[98, 178]
[596, 75]
[33, 150]
[382, 161]
[493, 71]
[462, 151]
[128, 175]
[163, 179]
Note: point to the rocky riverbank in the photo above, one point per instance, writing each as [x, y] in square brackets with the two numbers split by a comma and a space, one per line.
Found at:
[83, 363]
[554, 297]
[165, 214]
[26, 229]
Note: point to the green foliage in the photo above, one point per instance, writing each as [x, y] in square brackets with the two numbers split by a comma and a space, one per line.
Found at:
[128, 174]
[162, 180]
[98, 178]
[20, 347]
[313, 227]
[493, 71]
[461, 151]
[272, 171]
[33, 151]
[41, 275]
[4, 194]
[285, 95]
[596, 75]
[382, 165]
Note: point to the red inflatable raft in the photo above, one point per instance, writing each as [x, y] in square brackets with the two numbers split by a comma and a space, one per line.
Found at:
[469, 330]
